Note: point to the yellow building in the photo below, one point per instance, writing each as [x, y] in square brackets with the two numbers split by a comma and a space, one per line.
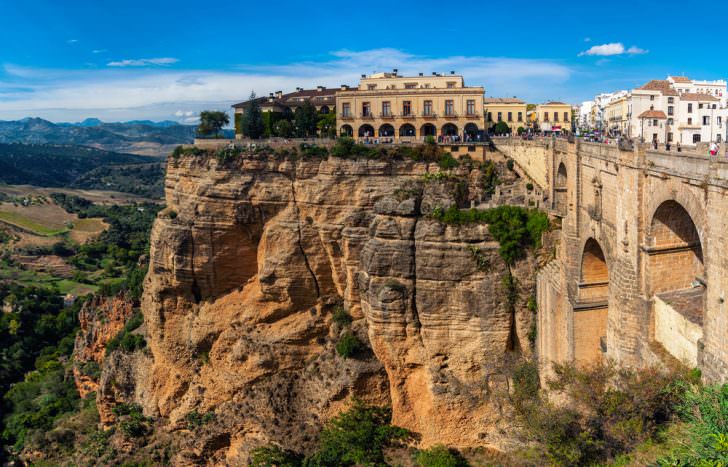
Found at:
[617, 116]
[554, 117]
[391, 108]
[510, 110]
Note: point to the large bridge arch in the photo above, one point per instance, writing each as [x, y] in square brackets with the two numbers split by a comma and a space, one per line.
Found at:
[591, 308]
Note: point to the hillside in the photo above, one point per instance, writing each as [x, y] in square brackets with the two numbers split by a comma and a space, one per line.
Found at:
[141, 137]
[55, 165]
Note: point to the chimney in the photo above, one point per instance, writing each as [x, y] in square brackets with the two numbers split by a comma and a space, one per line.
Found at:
[320, 88]
[363, 76]
[270, 95]
[279, 94]
[422, 74]
[344, 87]
[434, 73]
[394, 70]
[452, 72]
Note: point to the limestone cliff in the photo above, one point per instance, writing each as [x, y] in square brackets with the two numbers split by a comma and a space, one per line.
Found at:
[250, 258]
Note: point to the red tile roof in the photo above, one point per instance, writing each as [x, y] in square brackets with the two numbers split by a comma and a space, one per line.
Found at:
[555, 103]
[659, 114]
[694, 96]
[298, 97]
[661, 85]
[680, 79]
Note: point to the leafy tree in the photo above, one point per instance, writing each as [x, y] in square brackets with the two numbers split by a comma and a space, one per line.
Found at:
[327, 125]
[357, 437]
[502, 128]
[251, 122]
[283, 129]
[305, 120]
[440, 456]
[520, 130]
[211, 122]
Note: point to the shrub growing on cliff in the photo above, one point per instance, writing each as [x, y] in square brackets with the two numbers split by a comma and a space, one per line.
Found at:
[357, 437]
[447, 162]
[125, 339]
[349, 345]
[340, 316]
[440, 456]
[274, 456]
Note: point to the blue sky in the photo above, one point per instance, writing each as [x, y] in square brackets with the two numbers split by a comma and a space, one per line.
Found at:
[68, 60]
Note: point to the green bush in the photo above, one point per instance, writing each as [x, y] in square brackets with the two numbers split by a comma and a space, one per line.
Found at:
[274, 456]
[349, 345]
[195, 419]
[357, 437]
[510, 164]
[125, 339]
[529, 186]
[340, 316]
[448, 162]
[440, 456]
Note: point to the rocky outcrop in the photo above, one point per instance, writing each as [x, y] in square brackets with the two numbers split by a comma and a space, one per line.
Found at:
[100, 320]
[250, 258]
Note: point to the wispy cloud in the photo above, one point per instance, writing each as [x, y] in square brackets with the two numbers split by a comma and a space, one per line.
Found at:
[611, 49]
[143, 89]
[140, 62]
[587, 39]
[98, 51]
[71, 41]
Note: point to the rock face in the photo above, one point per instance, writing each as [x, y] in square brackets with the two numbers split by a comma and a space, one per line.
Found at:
[247, 263]
[100, 319]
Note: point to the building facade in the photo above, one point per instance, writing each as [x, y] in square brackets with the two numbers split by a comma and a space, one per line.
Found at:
[510, 110]
[554, 117]
[393, 108]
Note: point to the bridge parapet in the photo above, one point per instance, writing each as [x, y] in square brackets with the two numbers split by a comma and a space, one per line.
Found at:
[692, 166]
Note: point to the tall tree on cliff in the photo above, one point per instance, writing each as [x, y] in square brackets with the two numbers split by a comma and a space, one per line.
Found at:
[252, 121]
[305, 119]
[211, 122]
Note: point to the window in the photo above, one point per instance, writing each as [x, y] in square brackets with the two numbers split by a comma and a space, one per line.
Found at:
[427, 108]
[451, 84]
[545, 116]
[566, 116]
[406, 108]
[470, 107]
[510, 116]
[720, 121]
[346, 109]
[690, 107]
[652, 98]
[714, 106]
[700, 106]
[366, 109]
[670, 100]
[654, 122]
[670, 110]
[449, 107]
[690, 120]
[371, 87]
[410, 85]
[669, 137]
[706, 120]
[696, 138]
[520, 116]
[670, 121]
[490, 116]
[556, 116]
[500, 116]
[386, 109]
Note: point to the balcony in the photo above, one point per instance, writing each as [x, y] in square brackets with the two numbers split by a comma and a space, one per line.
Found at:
[367, 115]
[472, 115]
[408, 115]
[450, 115]
[386, 115]
[429, 115]
[346, 117]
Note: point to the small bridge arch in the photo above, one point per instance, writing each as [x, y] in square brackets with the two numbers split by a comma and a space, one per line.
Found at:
[592, 305]
[561, 191]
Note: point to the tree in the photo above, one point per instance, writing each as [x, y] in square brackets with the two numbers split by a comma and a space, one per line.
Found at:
[211, 122]
[305, 120]
[520, 130]
[283, 129]
[252, 121]
[502, 128]
[327, 125]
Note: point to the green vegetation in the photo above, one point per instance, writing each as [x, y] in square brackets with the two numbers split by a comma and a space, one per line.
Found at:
[139, 179]
[212, 122]
[349, 345]
[358, 436]
[251, 122]
[126, 340]
[340, 316]
[607, 413]
[131, 420]
[501, 128]
[440, 456]
[514, 227]
[30, 225]
[55, 165]
[490, 177]
[195, 419]
[305, 120]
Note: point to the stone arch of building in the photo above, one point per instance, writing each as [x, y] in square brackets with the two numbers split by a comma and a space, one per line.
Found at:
[661, 192]
[407, 130]
[591, 308]
[324, 109]
[346, 130]
[386, 130]
[471, 129]
[449, 129]
[366, 130]
[428, 129]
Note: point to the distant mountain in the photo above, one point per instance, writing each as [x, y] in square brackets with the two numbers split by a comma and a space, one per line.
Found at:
[55, 164]
[123, 137]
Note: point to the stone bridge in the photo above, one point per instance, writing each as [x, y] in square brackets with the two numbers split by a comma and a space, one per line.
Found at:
[640, 274]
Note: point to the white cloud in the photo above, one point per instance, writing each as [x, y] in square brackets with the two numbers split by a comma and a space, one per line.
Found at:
[613, 48]
[587, 39]
[143, 62]
[129, 90]
[71, 41]
[98, 51]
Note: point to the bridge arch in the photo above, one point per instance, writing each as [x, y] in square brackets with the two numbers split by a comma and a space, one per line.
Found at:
[561, 190]
[592, 305]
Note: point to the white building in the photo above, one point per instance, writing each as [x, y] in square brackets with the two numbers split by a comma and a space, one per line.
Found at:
[715, 88]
